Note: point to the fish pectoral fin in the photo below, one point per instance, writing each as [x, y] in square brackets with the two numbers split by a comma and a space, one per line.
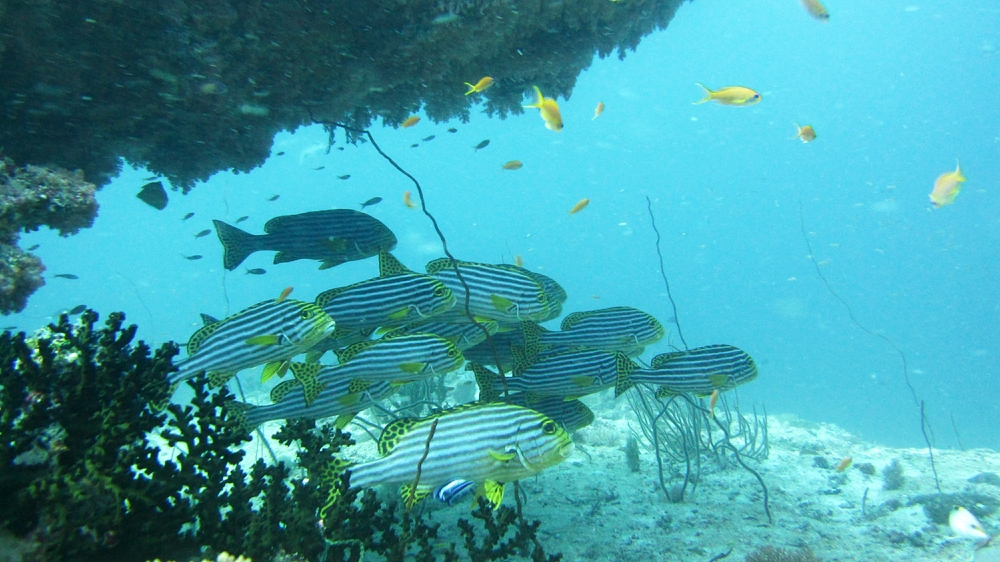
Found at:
[266, 339]
[350, 399]
[503, 457]
[412, 367]
[343, 420]
[502, 304]
[718, 380]
[665, 392]
[493, 492]
[396, 384]
[335, 244]
[583, 380]
[400, 314]
[276, 369]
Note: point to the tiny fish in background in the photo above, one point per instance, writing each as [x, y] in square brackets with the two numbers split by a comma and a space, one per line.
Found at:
[512, 165]
[579, 206]
[33, 248]
[410, 121]
[484, 83]
[205, 232]
[344, 177]
[482, 145]
[414, 145]
[282, 153]
[241, 219]
[407, 201]
[273, 198]
[518, 261]
[730, 95]
[78, 309]
[947, 187]
[256, 271]
[151, 178]
[187, 216]
[153, 195]
[65, 276]
[319, 168]
[284, 294]
[372, 201]
[548, 109]
[964, 524]
[806, 133]
[712, 402]
[429, 139]
[844, 464]
[452, 130]
[340, 148]
[816, 10]
[598, 111]
[194, 257]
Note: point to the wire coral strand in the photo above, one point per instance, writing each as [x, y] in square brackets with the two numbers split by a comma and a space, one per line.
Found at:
[659, 254]
[924, 424]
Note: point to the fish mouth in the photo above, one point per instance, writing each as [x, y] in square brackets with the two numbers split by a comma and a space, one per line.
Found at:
[566, 450]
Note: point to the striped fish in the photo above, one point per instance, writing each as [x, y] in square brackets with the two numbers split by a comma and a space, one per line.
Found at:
[570, 414]
[339, 397]
[487, 443]
[395, 298]
[568, 375]
[482, 353]
[339, 339]
[554, 291]
[333, 237]
[699, 371]
[494, 292]
[267, 332]
[616, 328]
[464, 336]
[396, 360]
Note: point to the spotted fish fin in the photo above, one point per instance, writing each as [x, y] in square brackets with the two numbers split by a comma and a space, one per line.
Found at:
[327, 296]
[279, 392]
[200, 336]
[485, 380]
[393, 433]
[388, 265]
[240, 411]
[662, 359]
[349, 352]
[572, 319]
[216, 379]
[237, 245]
[436, 266]
[414, 496]
[665, 392]
[308, 375]
[207, 320]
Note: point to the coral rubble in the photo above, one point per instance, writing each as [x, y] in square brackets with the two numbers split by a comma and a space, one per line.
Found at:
[191, 87]
[31, 197]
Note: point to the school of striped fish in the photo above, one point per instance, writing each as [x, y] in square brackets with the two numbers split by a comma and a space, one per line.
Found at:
[403, 327]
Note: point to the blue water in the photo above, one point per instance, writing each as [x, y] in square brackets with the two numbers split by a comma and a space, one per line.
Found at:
[897, 91]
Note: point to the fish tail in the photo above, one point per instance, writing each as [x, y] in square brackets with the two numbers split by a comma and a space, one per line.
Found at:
[243, 413]
[538, 99]
[472, 88]
[708, 94]
[236, 244]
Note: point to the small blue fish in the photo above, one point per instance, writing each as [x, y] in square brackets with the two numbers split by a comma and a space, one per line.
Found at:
[454, 491]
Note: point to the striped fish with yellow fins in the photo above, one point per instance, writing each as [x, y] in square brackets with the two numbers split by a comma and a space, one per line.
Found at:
[490, 444]
[699, 371]
[267, 332]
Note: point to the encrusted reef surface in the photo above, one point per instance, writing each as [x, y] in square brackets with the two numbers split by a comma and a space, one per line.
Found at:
[191, 87]
[30, 197]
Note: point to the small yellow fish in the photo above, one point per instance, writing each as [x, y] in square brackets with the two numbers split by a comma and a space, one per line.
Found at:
[816, 10]
[410, 121]
[284, 294]
[806, 133]
[946, 187]
[844, 464]
[512, 165]
[407, 201]
[711, 403]
[548, 109]
[484, 83]
[518, 261]
[579, 206]
[598, 111]
[731, 95]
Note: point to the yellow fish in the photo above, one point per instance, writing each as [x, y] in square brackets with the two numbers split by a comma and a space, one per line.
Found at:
[484, 83]
[407, 201]
[579, 206]
[806, 133]
[548, 109]
[844, 464]
[410, 121]
[513, 165]
[711, 403]
[816, 10]
[598, 111]
[946, 187]
[284, 294]
[518, 261]
[731, 95]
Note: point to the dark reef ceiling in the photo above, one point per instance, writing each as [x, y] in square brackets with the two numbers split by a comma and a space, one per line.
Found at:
[191, 87]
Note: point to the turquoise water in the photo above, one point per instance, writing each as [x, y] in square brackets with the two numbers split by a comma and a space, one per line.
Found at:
[897, 91]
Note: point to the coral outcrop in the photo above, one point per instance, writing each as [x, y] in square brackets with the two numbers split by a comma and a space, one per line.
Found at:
[191, 87]
[32, 197]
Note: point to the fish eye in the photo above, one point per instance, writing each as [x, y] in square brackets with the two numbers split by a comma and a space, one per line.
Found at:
[440, 291]
[306, 314]
[548, 427]
[453, 352]
[541, 297]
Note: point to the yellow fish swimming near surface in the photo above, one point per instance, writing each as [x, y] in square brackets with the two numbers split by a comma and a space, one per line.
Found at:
[816, 9]
[548, 109]
[806, 133]
[731, 95]
[484, 83]
[946, 187]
